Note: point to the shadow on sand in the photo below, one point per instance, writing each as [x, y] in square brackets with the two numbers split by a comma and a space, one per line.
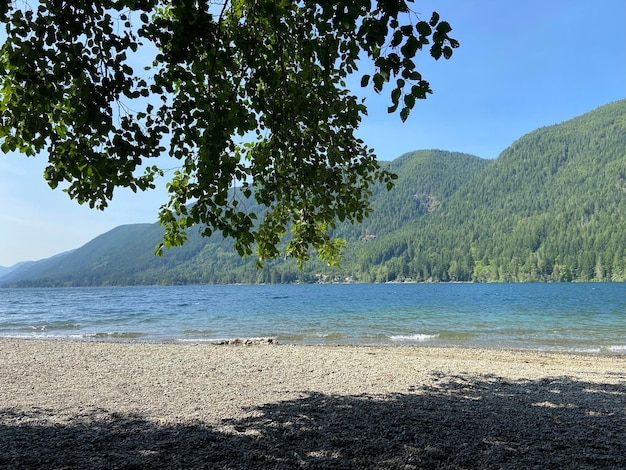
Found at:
[462, 422]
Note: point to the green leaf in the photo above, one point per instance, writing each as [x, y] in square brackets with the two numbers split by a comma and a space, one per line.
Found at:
[419, 91]
[423, 28]
[436, 51]
[406, 30]
[397, 38]
[378, 82]
[409, 101]
[365, 79]
[444, 27]
[395, 95]
[410, 47]
[434, 19]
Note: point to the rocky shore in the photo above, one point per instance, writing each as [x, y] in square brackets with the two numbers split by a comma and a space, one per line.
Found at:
[97, 405]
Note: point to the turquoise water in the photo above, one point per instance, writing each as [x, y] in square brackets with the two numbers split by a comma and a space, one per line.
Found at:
[560, 317]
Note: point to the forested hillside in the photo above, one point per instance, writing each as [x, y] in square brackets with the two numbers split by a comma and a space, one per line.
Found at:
[552, 207]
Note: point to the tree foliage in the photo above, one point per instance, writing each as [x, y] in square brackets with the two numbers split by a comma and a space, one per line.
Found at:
[241, 93]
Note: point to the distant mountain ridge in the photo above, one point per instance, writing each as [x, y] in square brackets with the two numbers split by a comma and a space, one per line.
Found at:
[7, 269]
[551, 207]
[29, 266]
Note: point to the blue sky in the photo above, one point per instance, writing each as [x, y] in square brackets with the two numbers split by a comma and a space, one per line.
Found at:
[521, 66]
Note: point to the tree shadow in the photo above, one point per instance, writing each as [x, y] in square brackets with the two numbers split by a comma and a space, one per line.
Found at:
[461, 422]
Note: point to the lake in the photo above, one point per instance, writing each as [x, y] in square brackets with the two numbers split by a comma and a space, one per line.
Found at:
[577, 317]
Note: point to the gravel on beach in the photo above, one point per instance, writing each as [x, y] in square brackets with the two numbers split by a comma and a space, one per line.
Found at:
[97, 405]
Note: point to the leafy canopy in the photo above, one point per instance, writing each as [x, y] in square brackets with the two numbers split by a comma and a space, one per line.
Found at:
[249, 96]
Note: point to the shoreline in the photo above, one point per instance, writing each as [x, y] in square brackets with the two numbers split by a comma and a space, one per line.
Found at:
[97, 404]
[115, 338]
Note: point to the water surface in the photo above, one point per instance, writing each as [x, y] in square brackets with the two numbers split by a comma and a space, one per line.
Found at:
[584, 317]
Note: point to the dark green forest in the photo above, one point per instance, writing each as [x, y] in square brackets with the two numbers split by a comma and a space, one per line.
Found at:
[551, 207]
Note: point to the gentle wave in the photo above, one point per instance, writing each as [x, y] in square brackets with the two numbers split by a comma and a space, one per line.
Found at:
[16, 328]
[193, 331]
[76, 337]
[115, 335]
[311, 337]
[54, 327]
[416, 337]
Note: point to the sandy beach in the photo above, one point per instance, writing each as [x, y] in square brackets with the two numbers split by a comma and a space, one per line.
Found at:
[136, 405]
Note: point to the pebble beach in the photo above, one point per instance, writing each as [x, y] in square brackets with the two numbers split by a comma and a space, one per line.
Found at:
[97, 405]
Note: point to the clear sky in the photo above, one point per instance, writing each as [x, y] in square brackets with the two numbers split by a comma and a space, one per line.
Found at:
[521, 66]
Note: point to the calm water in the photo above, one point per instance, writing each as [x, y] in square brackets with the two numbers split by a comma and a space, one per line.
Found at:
[564, 317]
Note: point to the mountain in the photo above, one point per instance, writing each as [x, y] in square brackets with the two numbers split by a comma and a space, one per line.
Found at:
[125, 255]
[4, 270]
[551, 207]
[29, 267]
